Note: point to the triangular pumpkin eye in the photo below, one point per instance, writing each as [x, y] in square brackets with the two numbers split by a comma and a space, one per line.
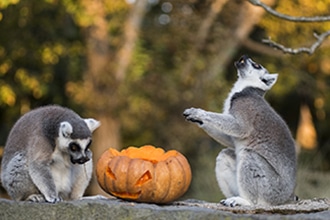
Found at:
[144, 178]
[110, 173]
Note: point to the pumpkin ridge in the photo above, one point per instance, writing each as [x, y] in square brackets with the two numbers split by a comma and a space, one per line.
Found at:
[184, 173]
[169, 186]
[113, 183]
[187, 178]
[104, 185]
[127, 194]
[105, 182]
[127, 179]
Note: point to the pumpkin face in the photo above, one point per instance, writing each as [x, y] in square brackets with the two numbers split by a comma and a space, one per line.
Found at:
[145, 174]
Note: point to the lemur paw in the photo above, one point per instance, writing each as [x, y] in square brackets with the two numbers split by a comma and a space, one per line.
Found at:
[235, 201]
[41, 198]
[54, 200]
[193, 115]
[36, 198]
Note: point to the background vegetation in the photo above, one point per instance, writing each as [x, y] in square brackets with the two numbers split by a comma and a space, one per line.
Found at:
[136, 65]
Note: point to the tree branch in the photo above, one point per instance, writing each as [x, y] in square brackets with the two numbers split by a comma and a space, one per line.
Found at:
[310, 50]
[261, 48]
[288, 17]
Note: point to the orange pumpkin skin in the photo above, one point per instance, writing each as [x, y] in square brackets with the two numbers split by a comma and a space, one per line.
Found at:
[145, 174]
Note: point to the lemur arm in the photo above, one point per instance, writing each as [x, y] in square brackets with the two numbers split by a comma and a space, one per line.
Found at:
[221, 127]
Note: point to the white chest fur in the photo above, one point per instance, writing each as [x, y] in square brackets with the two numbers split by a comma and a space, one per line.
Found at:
[238, 86]
[62, 172]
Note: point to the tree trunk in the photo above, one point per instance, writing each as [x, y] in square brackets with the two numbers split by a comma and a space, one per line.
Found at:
[201, 36]
[98, 58]
[131, 33]
[105, 76]
[108, 136]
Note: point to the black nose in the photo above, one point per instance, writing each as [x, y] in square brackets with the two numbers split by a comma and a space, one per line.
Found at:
[241, 62]
[80, 160]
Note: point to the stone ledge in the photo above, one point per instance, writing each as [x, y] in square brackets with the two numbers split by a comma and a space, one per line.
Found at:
[188, 209]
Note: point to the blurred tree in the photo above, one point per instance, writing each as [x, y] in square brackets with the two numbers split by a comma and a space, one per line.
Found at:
[136, 65]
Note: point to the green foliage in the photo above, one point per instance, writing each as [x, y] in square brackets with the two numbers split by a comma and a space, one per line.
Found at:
[40, 49]
[5, 3]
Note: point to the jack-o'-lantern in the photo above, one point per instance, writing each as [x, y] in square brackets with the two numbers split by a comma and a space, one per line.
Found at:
[145, 174]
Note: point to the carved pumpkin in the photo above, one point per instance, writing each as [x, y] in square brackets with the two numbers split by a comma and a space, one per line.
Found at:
[145, 174]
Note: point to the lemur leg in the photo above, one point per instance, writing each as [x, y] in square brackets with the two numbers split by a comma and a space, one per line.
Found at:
[16, 179]
[260, 182]
[225, 171]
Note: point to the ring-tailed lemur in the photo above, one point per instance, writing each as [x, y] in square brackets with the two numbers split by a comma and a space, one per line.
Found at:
[259, 165]
[47, 156]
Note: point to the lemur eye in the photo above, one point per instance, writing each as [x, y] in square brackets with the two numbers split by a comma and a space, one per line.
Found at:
[256, 65]
[74, 147]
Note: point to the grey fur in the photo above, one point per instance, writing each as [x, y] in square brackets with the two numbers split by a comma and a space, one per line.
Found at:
[259, 165]
[46, 161]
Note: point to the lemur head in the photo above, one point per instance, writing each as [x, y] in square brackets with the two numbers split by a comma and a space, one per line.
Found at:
[76, 138]
[251, 74]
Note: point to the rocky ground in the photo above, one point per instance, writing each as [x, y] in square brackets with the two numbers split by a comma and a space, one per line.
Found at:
[98, 208]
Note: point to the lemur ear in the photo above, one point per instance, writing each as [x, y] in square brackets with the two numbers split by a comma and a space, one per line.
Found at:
[92, 124]
[65, 129]
[269, 79]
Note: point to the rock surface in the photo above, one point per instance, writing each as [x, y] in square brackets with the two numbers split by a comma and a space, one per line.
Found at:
[188, 209]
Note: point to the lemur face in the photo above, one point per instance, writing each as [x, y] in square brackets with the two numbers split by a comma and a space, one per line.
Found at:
[254, 74]
[77, 149]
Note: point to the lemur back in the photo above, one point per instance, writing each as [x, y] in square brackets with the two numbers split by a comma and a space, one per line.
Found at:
[262, 125]
[47, 156]
[259, 165]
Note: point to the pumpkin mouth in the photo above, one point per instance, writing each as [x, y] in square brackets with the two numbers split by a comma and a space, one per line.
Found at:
[148, 153]
[127, 195]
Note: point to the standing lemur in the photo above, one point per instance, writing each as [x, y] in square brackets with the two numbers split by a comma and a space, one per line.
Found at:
[47, 156]
[259, 165]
